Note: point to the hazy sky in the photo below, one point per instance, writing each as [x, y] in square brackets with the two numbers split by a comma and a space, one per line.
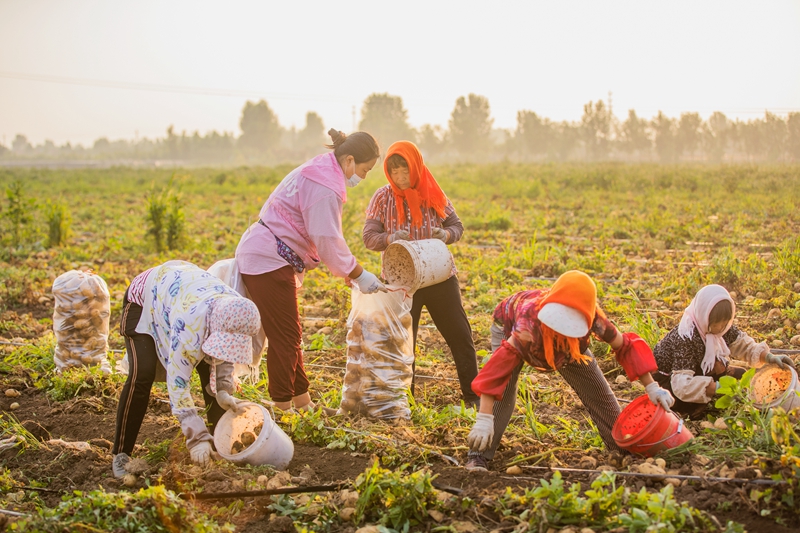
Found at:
[207, 58]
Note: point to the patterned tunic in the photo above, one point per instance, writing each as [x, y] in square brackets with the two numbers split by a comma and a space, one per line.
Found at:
[679, 360]
[178, 296]
[675, 352]
[518, 316]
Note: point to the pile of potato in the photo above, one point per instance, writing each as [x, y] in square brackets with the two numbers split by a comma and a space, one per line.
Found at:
[380, 353]
[80, 320]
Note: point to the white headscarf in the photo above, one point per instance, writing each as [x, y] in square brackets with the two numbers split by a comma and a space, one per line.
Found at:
[696, 316]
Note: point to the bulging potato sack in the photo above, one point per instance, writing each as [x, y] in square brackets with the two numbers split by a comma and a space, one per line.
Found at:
[380, 354]
[80, 320]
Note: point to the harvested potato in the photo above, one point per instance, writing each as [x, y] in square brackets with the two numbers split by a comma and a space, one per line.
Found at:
[80, 319]
[379, 357]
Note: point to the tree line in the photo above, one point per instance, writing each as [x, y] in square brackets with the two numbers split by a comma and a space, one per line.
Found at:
[468, 137]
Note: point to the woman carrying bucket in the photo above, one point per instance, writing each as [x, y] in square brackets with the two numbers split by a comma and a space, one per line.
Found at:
[180, 317]
[549, 329]
[692, 357]
[299, 227]
[413, 207]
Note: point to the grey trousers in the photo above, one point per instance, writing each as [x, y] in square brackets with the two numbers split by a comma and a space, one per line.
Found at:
[586, 380]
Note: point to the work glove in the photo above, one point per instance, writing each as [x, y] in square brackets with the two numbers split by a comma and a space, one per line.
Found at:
[399, 235]
[368, 283]
[201, 453]
[482, 432]
[659, 396]
[439, 233]
[228, 402]
[783, 361]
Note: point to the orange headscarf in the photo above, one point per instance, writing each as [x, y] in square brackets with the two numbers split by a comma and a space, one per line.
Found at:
[424, 192]
[577, 291]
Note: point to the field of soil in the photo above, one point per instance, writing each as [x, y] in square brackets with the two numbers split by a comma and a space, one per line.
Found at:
[650, 235]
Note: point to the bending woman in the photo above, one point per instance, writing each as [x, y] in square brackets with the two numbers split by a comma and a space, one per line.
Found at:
[413, 207]
[180, 317]
[549, 329]
[299, 227]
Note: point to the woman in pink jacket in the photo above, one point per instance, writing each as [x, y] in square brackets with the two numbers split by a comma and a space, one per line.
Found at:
[299, 227]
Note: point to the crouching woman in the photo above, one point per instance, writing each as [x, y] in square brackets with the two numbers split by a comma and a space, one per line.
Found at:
[698, 352]
[178, 317]
[549, 329]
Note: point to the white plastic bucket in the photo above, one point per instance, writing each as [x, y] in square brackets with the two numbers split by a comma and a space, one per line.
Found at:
[772, 386]
[416, 264]
[271, 447]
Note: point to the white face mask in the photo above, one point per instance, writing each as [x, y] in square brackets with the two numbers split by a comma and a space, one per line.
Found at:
[355, 179]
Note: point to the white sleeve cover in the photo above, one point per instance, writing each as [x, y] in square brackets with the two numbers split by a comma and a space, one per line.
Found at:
[744, 348]
[690, 388]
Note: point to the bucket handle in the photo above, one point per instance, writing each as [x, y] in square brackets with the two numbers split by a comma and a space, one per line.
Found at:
[680, 428]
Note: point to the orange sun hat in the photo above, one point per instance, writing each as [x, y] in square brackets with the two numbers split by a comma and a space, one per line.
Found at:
[569, 308]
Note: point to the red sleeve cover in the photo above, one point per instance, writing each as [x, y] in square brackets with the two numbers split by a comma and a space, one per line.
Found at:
[493, 377]
[635, 356]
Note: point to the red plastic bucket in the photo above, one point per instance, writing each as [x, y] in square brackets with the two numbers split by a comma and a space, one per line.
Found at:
[646, 429]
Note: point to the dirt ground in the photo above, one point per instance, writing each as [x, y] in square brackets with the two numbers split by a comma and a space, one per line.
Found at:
[92, 420]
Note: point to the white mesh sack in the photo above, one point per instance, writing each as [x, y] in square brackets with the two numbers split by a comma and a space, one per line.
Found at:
[80, 320]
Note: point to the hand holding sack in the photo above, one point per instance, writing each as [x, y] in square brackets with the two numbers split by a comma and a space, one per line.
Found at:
[482, 432]
[80, 320]
[635, 356]
[380, 354]
[368, 283]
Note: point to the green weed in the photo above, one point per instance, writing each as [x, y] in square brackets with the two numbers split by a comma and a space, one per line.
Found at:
[151, 510]
[19, 212]
[58, 223]
[393, 498]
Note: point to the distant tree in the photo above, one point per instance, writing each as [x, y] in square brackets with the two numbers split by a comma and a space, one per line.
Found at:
[751, 137]
[3, 150]
[688, 134]
[431, 141]
[716, 133]
[596, 130]
[311, 138]
[793, 136]
[471, 126]
[775, 133]
[171, 143]
[260, 129]
[566, 140]
[665, 137]
[20, 143]
[384, 116]
[634, 138]
[533, 135]
[101, 144]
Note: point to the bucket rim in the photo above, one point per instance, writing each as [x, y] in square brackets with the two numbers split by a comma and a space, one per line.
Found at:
[413, 255]
[779, 400]
[616, 431]
[260, 439]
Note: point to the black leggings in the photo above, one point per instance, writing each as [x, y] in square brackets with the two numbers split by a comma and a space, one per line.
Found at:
[143, 361]
[443, 301]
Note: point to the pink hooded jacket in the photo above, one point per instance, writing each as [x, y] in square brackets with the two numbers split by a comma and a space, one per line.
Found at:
[305, 212]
